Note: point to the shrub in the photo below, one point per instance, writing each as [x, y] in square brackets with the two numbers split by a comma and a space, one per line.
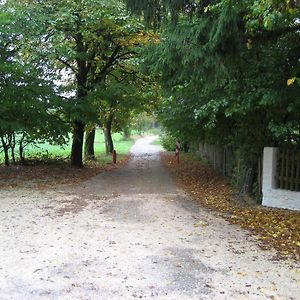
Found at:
[168, 141]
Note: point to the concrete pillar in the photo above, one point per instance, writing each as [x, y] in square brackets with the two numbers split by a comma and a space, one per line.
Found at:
[269, 169]
[273, 196]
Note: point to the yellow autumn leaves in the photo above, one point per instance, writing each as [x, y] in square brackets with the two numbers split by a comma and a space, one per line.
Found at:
[291, 81]
[276, 228]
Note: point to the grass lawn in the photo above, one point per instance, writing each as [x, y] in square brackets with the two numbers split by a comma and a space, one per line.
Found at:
[47, 150]
[122, 146]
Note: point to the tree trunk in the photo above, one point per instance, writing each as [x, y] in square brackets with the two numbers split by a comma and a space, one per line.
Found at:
[105, 140]
[81, 82]
[126, 133]
[89, 150]
[13, 154]
[77, 145]
[21, 151]
[13, 145]
[6, 155]
[5, 149]
[110, 143]
[186, 147]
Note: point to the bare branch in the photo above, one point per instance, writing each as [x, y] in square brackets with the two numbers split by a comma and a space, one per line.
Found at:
[67, 64]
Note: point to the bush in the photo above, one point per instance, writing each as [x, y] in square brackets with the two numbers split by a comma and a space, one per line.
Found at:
[168, 142]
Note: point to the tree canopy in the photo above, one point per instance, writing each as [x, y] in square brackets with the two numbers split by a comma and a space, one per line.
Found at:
[29, 107]
[230, 71]
[72, 48]
[225, 66]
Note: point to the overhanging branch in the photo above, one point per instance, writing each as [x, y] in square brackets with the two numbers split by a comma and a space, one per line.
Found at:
[272, 34]
[67, 64]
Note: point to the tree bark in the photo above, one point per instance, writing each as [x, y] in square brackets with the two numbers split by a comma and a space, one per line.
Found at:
[105, 140]
[126, 133]
[77, 144]
[21, 150]
[5, 149]
[6, 155]
[186, 147]
[81, 81]
[89, 150]
[13, 145]
[110, 143]
[13, 154]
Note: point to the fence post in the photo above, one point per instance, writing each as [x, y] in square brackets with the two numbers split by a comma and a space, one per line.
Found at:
[177, 151]
[114, 156]
[269, 169]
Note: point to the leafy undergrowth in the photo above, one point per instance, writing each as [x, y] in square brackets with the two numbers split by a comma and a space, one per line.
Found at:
[276, 228]
[45, 175]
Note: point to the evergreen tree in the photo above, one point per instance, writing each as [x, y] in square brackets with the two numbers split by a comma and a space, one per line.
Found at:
[229, 71]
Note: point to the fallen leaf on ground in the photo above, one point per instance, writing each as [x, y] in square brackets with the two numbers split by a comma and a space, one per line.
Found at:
[277, 228]
[47, 175]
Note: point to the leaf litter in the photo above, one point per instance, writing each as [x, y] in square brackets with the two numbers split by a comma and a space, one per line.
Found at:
[276, 228]
[57, 173]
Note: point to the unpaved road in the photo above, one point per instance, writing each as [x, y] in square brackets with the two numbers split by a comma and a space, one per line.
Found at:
[130, 234]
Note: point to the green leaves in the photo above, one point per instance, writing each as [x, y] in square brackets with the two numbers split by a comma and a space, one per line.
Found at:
[227, 74]
[29, 105]
[268, 14]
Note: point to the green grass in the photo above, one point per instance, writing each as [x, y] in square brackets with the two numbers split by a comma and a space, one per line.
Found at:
[122, 147]
[157, 142]
[47, 150]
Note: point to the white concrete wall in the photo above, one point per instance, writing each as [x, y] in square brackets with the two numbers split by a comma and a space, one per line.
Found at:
[272, 196]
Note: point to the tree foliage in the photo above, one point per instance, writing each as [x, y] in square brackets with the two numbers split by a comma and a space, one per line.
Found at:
[76, 47]
[226, 70]
[230, 72]
[29, 107]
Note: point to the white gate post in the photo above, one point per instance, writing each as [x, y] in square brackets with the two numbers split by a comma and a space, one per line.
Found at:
[269, 169]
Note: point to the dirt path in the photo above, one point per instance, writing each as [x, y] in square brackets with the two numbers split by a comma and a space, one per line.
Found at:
[130, 234]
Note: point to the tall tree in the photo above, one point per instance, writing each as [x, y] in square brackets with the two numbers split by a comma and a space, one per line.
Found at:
[28, 102]
[230, 72]
[118, 87]
[77, 38]
[122, 95]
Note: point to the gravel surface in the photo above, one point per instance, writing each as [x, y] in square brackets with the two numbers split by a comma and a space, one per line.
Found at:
[130, 234]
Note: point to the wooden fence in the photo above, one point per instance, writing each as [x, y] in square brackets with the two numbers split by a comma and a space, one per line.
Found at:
[220, 158]
[227, 162]
[288, 170]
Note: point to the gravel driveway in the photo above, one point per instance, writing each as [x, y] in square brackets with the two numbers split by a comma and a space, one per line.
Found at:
[130, 234]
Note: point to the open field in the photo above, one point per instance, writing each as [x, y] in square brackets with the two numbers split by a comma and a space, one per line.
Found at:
[46, 150]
